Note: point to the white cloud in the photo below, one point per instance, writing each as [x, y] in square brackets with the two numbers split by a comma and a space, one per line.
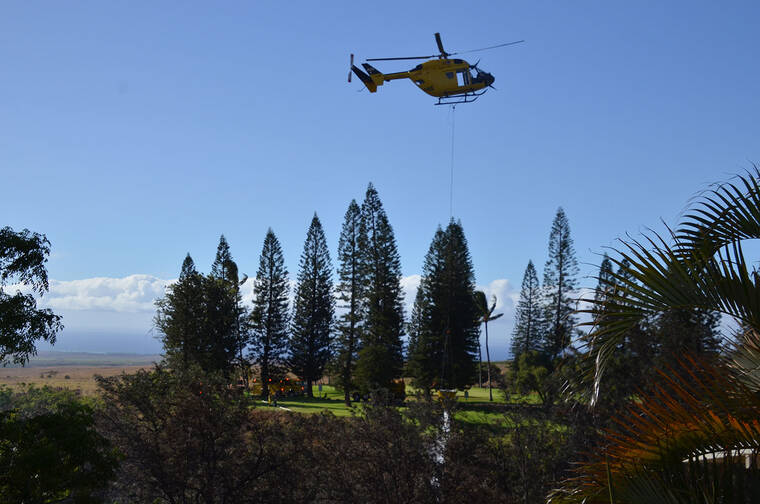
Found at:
[506, 295]
[116, 314]
[131, 294]
[409, 285]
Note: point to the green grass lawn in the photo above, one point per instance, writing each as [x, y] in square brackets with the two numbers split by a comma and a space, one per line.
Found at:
[331, 400]
[476, 409]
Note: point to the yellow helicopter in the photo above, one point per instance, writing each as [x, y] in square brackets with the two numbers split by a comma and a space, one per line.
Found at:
[451, 80]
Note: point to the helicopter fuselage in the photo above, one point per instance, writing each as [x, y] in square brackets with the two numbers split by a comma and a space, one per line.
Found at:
[448, 77]
[440, 77]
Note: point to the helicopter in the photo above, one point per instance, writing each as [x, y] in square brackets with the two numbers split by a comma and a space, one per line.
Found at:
[451, 80]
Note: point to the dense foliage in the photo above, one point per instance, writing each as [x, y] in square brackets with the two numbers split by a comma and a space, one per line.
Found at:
[50, 450]
[198, 320]
[22, 258]
[649, 406]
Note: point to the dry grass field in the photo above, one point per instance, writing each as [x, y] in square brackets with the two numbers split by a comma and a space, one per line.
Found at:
[72, 371]
[70, 377]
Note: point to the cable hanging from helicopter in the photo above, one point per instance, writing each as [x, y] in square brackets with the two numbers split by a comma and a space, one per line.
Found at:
[451, 80]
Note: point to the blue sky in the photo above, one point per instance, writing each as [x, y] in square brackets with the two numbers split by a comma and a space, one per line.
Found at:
[133, 133]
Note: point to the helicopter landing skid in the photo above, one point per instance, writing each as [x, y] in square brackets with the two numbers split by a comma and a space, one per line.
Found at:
[461, 98]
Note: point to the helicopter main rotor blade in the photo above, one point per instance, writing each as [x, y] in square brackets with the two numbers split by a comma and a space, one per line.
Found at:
[402, 58]
[490, 47]
[440, 44]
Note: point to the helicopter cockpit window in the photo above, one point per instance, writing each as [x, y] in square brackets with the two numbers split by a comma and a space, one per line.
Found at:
[476, 77]
[463, 78]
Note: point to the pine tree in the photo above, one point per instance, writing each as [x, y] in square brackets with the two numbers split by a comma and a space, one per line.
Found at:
[559, 283]
[224, 268]
[381, 356]
[270, 312]
[417, 324]
[529, 322]
[195, 321]
[606, 281]
[230, 317]
[442, 349]
[177, 317]
[631, 367]
[350, 292]
[686, 330]
[313, 309]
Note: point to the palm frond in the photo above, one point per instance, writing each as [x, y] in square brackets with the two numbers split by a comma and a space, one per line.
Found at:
[726, 214]
[695, 438]
[701, 266]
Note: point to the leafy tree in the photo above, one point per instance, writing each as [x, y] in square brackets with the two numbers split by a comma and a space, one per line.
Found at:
[22, 258]
[532, 375]
[381, 355]
[559, 283]
[313, 309]
[350, 293]
[188, 438]
[529, 321]
[270, 312]
[51, 451]
[486, 315]
[442, 352]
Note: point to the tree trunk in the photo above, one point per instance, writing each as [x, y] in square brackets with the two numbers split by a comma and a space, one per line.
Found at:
[480, 362]
[264, 378]
[488, 356]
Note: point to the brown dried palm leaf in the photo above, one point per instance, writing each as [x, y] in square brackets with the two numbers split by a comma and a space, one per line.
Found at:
[695, 438]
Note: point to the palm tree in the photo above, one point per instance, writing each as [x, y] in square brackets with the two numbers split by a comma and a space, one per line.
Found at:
[486, 315]
[700, 412]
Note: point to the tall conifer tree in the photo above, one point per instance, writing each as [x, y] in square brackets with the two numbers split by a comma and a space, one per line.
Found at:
[442, 350]
[230, 318]
[350, 292]
[313, 309]
[270, 312]
[224, 268]
[381, 355]
[606, 283]
[196, 319]
[529, 315]
[559, 283]
[178, 318]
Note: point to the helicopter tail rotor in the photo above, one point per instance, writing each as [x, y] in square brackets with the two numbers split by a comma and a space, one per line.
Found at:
[349, 69]
[366, 79]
